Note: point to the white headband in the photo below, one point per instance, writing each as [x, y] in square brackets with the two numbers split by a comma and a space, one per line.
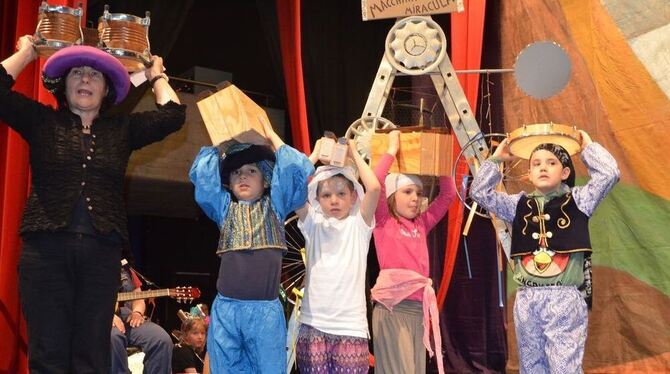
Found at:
[395, 181]
[324, 172]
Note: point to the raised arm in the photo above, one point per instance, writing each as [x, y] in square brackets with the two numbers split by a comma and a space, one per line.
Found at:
[24, 55]
[314, 157]
[159, 82]
[212, 197]
[381, 170]
[18, 111]
[438, 208]
[289, 177]
[483, 186]
[370, 182]
[603, 171]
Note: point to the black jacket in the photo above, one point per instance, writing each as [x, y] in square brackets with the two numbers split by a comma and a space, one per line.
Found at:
[61, 170]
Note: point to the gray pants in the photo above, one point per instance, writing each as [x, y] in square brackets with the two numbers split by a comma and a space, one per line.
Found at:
[398, 338]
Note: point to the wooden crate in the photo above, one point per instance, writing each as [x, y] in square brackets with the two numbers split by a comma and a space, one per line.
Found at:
[427, 152]
[229, 113]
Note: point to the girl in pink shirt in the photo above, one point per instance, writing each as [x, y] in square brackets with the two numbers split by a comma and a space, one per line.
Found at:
[405, 300]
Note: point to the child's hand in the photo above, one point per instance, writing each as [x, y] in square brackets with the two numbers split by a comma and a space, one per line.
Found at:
[353, 148]
[270, 133]
[314, 157]
[503, 153]
[267, 127]
[394, 142]
[586, 139]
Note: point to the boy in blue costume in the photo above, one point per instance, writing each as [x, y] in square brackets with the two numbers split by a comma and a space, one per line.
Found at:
[248, 191]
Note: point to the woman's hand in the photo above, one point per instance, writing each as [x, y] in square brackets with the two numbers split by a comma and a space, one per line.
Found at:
[503, 153]
[26, 44]
[24, 55]
[156, 68]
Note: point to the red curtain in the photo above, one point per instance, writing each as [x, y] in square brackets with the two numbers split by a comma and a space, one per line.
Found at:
[17, 18]
[467, 33]
[288, 17]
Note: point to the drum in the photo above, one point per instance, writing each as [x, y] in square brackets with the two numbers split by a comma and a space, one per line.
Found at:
[126, 37]
[57, 27]
[523, 140]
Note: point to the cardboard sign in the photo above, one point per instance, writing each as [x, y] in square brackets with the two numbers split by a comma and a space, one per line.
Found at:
[421, 152]
[229, 113]
[378, 9]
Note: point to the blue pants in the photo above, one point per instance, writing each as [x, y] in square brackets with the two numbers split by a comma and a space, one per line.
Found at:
[551, 324]
[151, 338]
[246, 336]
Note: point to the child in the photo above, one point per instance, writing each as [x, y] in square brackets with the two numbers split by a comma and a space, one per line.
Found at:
[249, 196]
[189, 354]
[405, 298]
[550, 242]
[337, 224]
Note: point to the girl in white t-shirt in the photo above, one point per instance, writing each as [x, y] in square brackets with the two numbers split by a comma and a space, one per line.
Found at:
[337, 224]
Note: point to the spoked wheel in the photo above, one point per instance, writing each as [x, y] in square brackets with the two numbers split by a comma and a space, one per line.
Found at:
[362, 129]
[293, 265]
[515, 173]
[292, 281]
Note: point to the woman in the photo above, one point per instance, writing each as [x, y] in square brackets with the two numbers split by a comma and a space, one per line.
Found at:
[74, 222]
[189, 353]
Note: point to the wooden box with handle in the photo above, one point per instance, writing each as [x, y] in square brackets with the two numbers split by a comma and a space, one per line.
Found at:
[423, 151]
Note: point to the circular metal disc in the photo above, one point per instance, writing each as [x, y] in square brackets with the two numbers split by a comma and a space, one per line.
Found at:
[542, 69]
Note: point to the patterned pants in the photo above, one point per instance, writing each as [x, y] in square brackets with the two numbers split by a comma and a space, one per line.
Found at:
[551, 325]
[318, 352]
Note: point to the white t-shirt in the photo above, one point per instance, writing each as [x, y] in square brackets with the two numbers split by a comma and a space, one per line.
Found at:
[337, 252]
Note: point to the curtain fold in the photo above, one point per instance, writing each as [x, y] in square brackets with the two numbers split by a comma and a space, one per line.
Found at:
[290, 38]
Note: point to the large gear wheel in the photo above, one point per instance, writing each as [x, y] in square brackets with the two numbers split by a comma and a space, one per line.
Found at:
[361, 131]
[415, 45]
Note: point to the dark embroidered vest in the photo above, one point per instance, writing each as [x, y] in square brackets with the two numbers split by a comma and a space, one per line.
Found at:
[561, 227]
[250, 227]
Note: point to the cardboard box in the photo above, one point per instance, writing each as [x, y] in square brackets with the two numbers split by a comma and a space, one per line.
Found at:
[229, 113]
[427, 152]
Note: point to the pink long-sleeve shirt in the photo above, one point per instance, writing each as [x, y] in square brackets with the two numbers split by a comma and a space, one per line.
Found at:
[401, 243]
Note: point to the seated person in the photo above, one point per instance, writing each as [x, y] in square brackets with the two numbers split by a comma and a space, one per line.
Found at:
[130, 328]
[189, 353]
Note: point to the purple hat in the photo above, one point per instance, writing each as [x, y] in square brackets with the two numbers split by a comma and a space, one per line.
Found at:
[67, 58]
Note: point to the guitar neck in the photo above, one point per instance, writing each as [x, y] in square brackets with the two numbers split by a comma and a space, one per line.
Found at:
[127, 296]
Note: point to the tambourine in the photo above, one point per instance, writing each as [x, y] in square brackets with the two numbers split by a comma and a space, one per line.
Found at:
[526, 138]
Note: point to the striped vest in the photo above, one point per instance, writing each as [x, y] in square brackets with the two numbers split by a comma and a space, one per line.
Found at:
[251, 226]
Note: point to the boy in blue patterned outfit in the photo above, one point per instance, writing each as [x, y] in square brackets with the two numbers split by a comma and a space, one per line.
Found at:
[550, 248]
[249, 195]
